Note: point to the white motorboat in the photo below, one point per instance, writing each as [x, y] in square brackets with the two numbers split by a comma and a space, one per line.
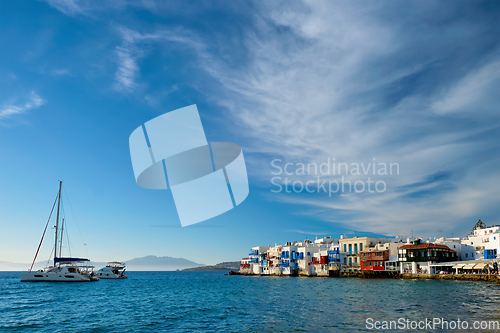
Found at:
[113, 270]
[65, 269]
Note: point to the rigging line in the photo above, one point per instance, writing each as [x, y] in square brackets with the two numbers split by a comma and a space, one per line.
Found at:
[62, 228]
[49, 257]
[65, 226]
[76, 222]
[41, 240]
[67, 241]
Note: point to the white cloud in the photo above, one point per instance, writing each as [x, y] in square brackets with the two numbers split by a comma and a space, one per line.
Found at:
[322, 79]
[312, 91]
[127, 69]
[471, 93]
[134, 46]
[60, 72]
[68, 7]
[12, 108]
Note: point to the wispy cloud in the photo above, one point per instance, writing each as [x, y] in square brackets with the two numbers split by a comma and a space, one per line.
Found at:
[338, 80]
[127, 69]
[473, 93]
[60, 72]
[14, 106]
[354, 82]
[135, 45]
[68, 7]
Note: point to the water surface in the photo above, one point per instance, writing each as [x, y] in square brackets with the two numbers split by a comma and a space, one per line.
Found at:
[214, 302]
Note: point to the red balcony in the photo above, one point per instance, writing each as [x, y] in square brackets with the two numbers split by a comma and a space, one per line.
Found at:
[382, 255]
[373, 265]
[320, 260]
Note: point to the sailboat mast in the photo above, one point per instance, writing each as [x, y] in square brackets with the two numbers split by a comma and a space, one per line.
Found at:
[60, 243]
[57, 218]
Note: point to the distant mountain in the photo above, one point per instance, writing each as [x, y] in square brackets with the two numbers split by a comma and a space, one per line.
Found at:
[223, 266]
[15, 266]
[148, 263]
[154, 263]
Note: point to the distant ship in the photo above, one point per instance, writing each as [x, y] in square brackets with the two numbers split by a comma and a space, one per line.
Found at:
[113, 270]
[65, 269]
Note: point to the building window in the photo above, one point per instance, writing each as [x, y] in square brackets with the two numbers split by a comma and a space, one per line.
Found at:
[360, 247]
[345, 248]
[355, 248]
[355, 260]
[350, 248]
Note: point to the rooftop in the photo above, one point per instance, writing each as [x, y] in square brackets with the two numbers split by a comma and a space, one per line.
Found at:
[425, 246]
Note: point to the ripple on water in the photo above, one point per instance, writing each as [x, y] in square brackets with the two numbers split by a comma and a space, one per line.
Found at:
[213, 302]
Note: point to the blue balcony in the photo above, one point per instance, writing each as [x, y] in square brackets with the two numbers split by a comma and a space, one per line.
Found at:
[254, 253]
[297, 255]
[294, 266]
[333, 255]
[490, 254]
[253, 261]
[285, 263]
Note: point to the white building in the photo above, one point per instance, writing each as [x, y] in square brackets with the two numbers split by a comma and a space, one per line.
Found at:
[486, 242]
[351, 247]
[256, 258]
[464, 251]
[288, 263]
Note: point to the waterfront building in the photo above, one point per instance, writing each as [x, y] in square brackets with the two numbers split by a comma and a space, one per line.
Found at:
[350, 249]
[418, 257]
[288, 262]
[464, 251]
[245, 266]
[305, 251]
[273, 261]
[486, 242]
[381, 257]
[256, 257]
[325, 257]
[374, 259]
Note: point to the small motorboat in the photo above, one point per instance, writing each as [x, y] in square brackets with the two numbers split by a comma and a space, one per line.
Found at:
[113, 270]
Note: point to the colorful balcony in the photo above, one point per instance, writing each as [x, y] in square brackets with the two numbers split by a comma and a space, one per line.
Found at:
[285, 263]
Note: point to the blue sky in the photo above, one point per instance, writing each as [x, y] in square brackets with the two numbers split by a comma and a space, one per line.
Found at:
[413, 83]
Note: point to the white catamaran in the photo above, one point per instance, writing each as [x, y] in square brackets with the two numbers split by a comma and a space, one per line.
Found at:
[65, 269]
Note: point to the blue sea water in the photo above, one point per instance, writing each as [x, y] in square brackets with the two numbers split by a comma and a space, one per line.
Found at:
[214, 302]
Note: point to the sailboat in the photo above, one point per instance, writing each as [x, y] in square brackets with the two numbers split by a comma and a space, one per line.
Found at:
[65, 269]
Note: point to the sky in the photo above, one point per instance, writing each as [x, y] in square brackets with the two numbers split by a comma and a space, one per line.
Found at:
[413, 84]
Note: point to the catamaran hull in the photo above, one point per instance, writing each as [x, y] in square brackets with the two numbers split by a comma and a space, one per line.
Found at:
[51, 277]
[112, 277]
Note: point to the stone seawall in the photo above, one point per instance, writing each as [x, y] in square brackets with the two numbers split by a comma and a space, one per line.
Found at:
[464, 277]
[397, 275]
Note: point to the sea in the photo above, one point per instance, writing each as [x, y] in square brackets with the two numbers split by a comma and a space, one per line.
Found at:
[185, 301]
